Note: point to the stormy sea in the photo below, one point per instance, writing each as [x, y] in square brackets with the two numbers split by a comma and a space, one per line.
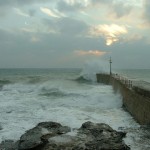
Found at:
[68, 96]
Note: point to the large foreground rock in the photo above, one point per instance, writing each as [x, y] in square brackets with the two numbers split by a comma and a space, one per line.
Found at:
[54, 136]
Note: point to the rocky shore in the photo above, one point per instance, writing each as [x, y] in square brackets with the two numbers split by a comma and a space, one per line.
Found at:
[54, 136]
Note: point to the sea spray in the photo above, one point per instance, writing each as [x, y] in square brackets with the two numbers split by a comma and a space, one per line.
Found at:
[24, 104]
[92, 67]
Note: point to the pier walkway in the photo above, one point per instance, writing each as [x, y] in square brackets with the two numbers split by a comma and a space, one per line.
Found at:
[136, 95]
[141, 87]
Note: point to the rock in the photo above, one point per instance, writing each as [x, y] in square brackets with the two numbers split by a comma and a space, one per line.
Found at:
[54, 136]
[38, 136]
[103, 137]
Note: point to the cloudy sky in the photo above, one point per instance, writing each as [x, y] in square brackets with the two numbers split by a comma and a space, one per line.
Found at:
[67, 33]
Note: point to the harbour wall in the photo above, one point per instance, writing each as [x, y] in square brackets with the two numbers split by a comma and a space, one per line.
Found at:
[135, 100]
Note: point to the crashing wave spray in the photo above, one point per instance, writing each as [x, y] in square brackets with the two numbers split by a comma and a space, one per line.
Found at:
[92, 67]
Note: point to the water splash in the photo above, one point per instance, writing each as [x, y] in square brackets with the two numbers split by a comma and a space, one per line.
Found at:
[91, 68]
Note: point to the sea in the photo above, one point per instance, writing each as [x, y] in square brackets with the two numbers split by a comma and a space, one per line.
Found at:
[68, 96]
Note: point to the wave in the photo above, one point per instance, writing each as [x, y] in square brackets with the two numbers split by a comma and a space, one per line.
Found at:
[82, 79]
[56, 93]
[3, 82]
[34, 79]
[52, 92]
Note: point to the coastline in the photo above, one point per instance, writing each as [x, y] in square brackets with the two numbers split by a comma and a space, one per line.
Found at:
[52, 135]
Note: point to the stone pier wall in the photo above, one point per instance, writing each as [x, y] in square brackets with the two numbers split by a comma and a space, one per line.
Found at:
[135, 103]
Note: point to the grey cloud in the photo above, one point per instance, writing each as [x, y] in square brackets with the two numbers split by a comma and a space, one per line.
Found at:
[65, 7]
[120, 9]
[101, 1]
[131, 55]
[2, 12]
[116, 8]
[19, 51]
[20, 2]
[71, 26]
[146, 14]
[6, 2]
[5, 36]
[32, 12]
[67, 25]
[7, 5]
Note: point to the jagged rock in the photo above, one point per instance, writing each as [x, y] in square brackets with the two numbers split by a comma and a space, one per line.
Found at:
[33, 138]
[54, 136]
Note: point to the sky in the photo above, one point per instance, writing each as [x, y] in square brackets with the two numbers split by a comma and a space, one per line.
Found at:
[69, 33]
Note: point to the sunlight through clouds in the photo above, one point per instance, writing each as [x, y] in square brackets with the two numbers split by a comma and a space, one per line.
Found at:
[81, 2]
[111, 33]
[90, 52]
[49, 12]
[75, 29]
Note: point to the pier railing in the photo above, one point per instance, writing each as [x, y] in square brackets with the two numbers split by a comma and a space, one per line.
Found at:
[128, 83]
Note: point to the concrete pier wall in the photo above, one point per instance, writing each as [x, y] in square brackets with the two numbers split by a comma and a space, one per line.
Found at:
[136, 103]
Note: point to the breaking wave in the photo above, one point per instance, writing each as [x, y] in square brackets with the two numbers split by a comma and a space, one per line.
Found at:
[3, 82]
[91, 68]
[81, 79]
[34, 79]
[56, 93]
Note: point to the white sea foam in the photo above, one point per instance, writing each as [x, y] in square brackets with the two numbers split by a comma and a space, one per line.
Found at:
[92, 67]
[23, 105]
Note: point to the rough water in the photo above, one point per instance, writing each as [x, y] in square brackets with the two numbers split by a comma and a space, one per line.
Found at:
[68, 96]
[136, 74]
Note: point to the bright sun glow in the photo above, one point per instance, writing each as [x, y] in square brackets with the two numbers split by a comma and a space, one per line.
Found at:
[49, 12]
[111, 33]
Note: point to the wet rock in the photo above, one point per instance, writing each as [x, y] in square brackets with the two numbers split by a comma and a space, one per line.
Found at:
[103, 137]
[54, 136]
[37, 137]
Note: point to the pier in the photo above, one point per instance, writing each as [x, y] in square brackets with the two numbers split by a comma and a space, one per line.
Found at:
[136, 97]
